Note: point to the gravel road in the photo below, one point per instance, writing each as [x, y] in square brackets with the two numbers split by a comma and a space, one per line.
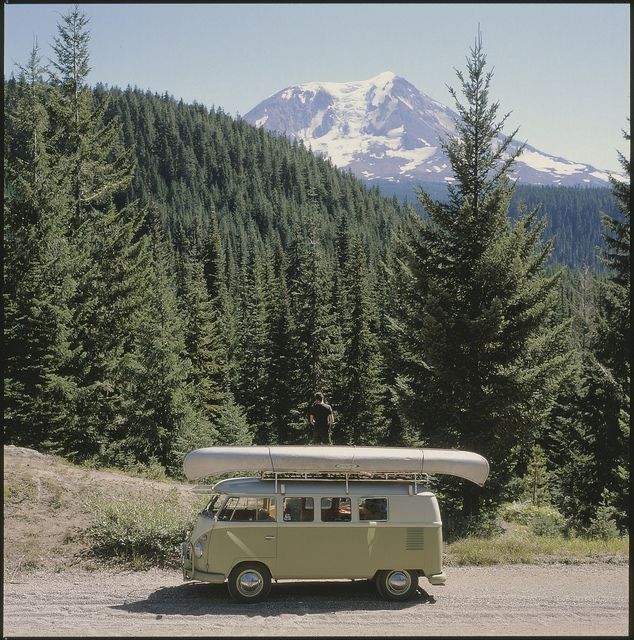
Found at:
[507, 600]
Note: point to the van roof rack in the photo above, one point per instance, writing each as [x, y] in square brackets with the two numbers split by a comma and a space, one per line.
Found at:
[347, 476]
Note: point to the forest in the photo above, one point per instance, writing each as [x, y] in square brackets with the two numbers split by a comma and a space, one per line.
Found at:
[570, 214]
[176, 278]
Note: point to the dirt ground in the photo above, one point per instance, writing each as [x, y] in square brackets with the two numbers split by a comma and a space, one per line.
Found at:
[524, 600]
[47, 507]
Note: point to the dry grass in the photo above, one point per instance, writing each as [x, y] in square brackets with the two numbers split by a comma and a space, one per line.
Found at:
[521, 546]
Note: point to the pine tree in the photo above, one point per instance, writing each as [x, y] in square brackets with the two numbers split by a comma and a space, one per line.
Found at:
[212, 256]
[615, 333]
[536, 480]
[280, 381]
[203, 343]
[612, 348]
[38, 285]
[308, 282]
[109, 257]
[483, 357]
[86, 142]
[163, 422]
[361, 419]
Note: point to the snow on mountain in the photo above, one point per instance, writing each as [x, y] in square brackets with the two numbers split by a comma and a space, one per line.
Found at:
[384, 128]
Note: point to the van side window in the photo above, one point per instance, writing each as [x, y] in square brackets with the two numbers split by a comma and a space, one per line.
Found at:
[248, 509]
[336, 510]
[299, 510]
[372, 508]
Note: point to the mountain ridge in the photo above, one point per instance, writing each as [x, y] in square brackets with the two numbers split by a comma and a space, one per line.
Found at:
[384, 128]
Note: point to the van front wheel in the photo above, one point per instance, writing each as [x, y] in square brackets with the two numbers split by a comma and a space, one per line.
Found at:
[249, 582]
[396, 584]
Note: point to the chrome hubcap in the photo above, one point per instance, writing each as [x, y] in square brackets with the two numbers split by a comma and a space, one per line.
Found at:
[250, 583]
[398, 582]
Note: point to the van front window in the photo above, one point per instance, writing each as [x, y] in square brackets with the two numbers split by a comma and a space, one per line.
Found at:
[212, 506]
[248, 509]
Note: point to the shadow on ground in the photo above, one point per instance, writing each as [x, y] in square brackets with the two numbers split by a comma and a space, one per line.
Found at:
[298, 598]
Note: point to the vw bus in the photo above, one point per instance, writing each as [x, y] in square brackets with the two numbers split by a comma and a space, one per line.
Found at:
[343, 519]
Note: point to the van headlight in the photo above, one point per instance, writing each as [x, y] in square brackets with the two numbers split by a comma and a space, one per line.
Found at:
[199, 546]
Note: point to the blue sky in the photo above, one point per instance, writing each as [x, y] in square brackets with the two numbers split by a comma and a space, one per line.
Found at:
[562, 69]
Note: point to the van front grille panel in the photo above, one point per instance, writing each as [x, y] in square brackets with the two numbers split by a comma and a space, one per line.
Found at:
[414, 539]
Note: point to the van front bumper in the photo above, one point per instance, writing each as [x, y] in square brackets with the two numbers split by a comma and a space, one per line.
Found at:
[190, 573]
[437, 578]
[187, 560]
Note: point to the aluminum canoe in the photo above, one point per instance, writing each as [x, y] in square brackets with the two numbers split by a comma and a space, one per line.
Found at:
[335, 459]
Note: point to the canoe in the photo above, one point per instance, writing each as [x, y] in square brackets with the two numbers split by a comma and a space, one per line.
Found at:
[335, 459]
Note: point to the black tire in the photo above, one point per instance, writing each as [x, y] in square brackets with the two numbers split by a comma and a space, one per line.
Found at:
[397, 584]
[249, 582]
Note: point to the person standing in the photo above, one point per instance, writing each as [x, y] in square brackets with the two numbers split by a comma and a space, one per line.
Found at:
[321, 417]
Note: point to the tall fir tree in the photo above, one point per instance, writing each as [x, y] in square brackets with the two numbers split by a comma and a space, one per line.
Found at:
[308, 285]
[86, 141]
[203, 342]
[280, 342]
[109, 257]
[163, 423]
[483, 356]
[38, 285]
[361, 419]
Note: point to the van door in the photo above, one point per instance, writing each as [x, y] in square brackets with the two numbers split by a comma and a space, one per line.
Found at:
[317, 539]
[246, 531]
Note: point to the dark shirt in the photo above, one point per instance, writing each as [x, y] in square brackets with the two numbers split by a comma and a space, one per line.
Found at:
[321, 413]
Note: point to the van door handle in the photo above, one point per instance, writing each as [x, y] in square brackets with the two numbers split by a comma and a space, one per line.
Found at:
[269, 537]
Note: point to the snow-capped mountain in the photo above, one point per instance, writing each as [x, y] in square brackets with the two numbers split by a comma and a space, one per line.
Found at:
[385, 129]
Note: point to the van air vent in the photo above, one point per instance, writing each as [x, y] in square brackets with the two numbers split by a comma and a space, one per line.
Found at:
[414, 539]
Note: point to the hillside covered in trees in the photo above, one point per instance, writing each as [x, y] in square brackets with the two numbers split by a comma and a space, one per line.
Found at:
[176, 278]
[572, 216]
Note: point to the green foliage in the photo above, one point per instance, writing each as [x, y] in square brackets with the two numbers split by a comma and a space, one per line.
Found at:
[603, 524]
[542, 520]
[144, 531]
[571, 216]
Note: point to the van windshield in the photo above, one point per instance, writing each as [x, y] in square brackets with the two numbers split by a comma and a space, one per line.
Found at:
[212, 506]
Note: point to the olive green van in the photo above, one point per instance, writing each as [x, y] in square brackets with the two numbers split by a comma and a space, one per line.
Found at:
[250, 533]
[322, 512]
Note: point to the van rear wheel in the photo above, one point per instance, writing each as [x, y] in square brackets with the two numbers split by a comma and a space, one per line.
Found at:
[249, 582]
[396, 584]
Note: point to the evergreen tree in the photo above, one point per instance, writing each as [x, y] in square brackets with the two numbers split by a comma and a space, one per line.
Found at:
[84, 139]
[535, 481]
[611, 382]
[109, 258]
[203, 343]
[253, 346]
[308, 283]
[37, 283]
[280, 381]
[163, 423]
[212, 256]
[361, 419]
[483, 357]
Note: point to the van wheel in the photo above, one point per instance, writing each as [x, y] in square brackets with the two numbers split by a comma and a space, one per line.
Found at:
[396, 584]
[249, 582]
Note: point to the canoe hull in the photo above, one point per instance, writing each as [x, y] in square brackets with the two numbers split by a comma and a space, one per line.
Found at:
[335, 459]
